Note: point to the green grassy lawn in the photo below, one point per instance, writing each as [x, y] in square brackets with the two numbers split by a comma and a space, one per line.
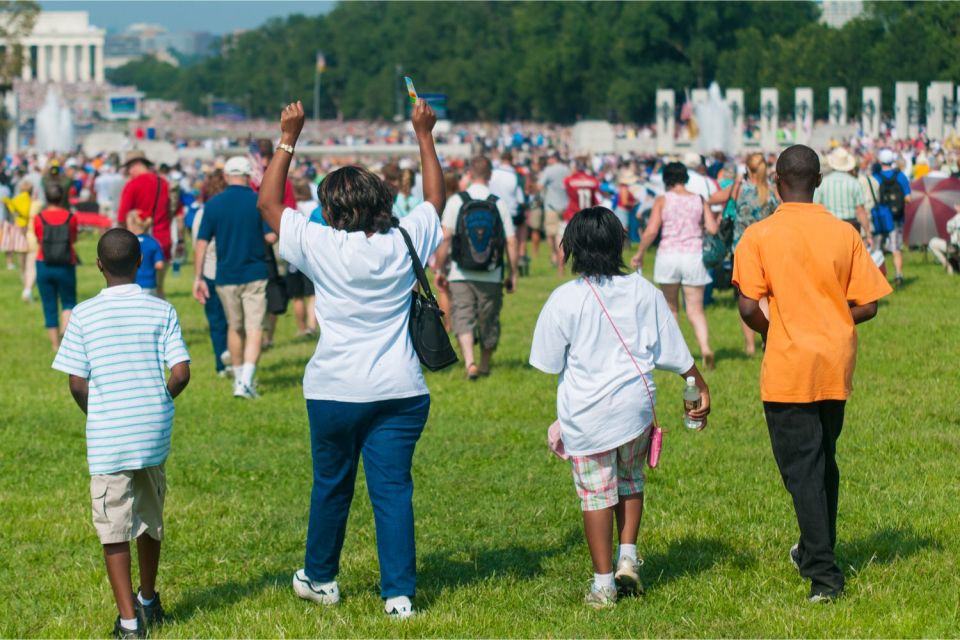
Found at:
[501, 549]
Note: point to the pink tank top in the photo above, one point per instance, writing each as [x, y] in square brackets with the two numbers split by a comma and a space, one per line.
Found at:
[682, 219]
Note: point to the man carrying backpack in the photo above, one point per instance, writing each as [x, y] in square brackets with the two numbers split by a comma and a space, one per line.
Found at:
[477, 232]
[892, 198]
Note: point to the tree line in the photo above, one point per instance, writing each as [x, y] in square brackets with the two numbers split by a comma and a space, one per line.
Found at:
[560, 61]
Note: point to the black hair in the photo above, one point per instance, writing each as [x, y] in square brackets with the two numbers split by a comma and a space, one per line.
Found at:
[675, 173]
[594, 242]
[798, 168]
[354, 199]
[52, 191]
[119, 252]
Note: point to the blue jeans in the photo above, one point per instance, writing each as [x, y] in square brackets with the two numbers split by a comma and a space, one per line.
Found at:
[386, 433]
[56, 282]
[217, 319]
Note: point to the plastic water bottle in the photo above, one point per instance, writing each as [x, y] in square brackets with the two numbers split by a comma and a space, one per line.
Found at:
[691, 402]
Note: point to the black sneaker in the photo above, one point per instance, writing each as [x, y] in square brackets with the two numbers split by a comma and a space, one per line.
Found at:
[795, 556]
[120, 632]
[149, 614]
[898, 282]
[819, 595]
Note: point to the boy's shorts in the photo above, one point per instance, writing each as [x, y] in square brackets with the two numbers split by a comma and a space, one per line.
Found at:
[128, 504]
[601, 478]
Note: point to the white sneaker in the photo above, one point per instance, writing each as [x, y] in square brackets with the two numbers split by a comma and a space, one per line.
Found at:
[400, 609]
[309, 590]
[627, 576]
[226, 359]
[241, 390]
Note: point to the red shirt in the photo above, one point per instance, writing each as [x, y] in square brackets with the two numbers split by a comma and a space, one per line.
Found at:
[140, 194]
[54, 216]
[583, 192]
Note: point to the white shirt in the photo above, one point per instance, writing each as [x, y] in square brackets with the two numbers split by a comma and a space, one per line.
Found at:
[601, 400]
[505, 184]
[363, 287]
[450, 213]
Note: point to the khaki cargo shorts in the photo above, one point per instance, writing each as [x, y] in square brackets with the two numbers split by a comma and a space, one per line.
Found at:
[475, 306]
[128, 504]
[245, 305]
[551, 223]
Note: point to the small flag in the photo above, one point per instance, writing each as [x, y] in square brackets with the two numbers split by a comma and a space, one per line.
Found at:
[321, 62]
[410, 90]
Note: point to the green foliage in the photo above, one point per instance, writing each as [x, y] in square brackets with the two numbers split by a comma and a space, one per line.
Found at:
[499, 535]
[561, 61]
[16, 21]
[157, 79]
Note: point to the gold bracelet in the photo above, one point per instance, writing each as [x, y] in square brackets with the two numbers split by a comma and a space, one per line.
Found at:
[285, 147]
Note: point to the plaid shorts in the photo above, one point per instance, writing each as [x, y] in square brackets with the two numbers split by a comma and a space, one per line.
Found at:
[601, 478]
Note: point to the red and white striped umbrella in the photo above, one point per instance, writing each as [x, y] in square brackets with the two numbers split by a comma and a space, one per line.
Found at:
[931, 204]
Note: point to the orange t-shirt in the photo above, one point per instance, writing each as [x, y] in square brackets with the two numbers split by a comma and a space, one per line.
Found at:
[811, 266]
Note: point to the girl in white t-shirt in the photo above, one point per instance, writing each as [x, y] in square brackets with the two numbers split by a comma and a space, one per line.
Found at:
[603, 404]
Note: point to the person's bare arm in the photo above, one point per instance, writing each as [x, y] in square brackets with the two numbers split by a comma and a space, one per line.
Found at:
[710, 222]
[179, 378]
[80, 390]
[650, 233]
[200, 289]
[271, 238]
[864, 312]
[513, 252]
[424, 119]
[721, 196]
[753, 315]
[441, 256]
[864, 218]
[270, 200]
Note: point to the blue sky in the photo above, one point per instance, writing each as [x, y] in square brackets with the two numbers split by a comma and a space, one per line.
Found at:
[215, 16]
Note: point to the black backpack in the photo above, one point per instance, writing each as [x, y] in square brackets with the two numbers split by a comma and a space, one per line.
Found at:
[479, 238]
[56, 242]
[892, 195]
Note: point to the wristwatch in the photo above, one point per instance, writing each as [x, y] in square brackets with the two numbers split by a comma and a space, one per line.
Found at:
[286, 147]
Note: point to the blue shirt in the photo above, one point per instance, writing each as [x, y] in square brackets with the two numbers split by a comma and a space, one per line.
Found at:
[120, 341]
[152, 254]
[233, 219]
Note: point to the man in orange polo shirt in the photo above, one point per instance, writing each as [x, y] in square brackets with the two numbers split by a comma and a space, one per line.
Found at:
[820, 282]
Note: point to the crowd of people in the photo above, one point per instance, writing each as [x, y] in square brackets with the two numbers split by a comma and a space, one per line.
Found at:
[269, 229]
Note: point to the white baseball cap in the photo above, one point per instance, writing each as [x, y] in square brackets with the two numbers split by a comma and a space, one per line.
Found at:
[886, 156]
[238, 166]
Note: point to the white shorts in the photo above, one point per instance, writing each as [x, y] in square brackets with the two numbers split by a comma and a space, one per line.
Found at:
[681, 268]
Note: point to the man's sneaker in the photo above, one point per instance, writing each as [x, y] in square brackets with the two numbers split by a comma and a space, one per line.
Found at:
[603, 598]
[149, 614]
[120, 632]
[819, 595]
[795, 556]
[241, 390]
[898, 282]
[627, 577]
[310, 590]
[401, 610]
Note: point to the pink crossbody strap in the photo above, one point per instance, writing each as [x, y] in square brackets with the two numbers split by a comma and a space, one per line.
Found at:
[653, 407]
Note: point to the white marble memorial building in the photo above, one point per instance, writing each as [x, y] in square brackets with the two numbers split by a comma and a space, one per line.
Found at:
[63, 47]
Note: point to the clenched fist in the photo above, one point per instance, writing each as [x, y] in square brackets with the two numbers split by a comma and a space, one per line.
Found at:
[291, 123]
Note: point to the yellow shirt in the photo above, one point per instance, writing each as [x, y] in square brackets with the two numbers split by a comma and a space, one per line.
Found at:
[19, 206]
[812, 267]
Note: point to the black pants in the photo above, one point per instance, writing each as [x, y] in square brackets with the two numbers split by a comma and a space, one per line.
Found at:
[804, 439]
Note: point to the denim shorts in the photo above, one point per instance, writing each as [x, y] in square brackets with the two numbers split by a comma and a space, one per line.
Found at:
[56, 283]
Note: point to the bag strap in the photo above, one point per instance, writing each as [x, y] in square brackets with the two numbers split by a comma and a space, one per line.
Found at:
[872, 192]
[464, 198]
[417, 266]
[653, 407]
[156, 199]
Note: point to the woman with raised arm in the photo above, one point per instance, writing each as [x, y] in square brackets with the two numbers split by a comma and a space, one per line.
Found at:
[364, 388]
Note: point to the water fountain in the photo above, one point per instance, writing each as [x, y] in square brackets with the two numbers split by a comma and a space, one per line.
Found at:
[54, 126]
[715, 122]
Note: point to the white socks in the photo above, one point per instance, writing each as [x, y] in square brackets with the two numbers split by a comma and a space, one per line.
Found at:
[144, 601]
[603, 581]
[246, 374]
[129, 625]
[627, 551]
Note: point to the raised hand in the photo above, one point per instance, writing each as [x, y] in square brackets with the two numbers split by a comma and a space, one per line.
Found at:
[291, 122]
[423, 117]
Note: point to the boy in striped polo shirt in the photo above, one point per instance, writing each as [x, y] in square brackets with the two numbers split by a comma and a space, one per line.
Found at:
[115, 350]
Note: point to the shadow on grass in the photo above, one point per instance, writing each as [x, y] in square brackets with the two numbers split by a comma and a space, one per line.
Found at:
[222, 595]
[692, 555]
[884, 547]
[445, 570]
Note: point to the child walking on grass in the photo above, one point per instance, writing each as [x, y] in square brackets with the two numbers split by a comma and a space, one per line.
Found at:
[115, 349]
[603, 404]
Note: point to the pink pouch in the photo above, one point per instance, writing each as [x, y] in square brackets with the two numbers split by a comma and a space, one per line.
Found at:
[656, 443]
[555, 442]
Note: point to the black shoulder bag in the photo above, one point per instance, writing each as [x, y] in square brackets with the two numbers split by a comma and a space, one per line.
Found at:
[277, 296]
[430, 339]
